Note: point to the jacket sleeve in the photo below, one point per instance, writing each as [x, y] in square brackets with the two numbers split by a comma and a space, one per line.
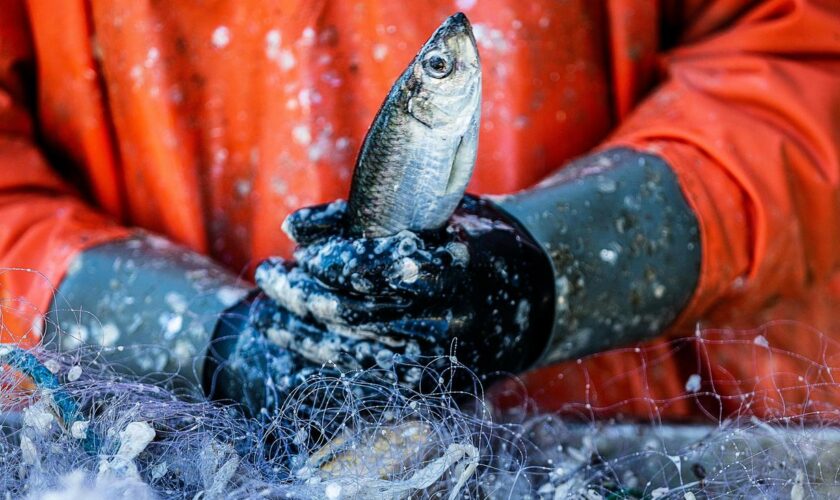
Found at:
[749, 119]
[43, 222]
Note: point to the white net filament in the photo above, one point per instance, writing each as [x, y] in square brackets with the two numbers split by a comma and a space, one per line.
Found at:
[756, 432]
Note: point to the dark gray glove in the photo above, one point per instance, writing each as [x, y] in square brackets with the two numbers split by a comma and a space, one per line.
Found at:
[605, 253]
[480, 288]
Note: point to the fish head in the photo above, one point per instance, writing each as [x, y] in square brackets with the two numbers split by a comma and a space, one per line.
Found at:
[444, 80]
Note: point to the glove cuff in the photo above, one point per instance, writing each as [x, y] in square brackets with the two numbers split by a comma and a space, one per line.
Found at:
[531, 297]
[148, 307]
[624, 246]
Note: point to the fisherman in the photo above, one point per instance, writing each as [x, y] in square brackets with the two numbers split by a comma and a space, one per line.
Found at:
[641, 170]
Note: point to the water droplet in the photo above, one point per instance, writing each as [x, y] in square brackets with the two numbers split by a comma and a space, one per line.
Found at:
[606, 185]
[221, 37]
[609, 256]
[693, 383]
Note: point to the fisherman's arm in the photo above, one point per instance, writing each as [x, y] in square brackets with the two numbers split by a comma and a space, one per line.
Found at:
[720, 183]
[44, 222]
[624, 247]
[746, 120]
[70, 275]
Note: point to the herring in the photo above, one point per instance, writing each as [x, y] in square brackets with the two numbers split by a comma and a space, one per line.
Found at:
[418, 156]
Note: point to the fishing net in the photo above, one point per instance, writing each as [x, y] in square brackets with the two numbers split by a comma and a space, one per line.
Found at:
[73, 427]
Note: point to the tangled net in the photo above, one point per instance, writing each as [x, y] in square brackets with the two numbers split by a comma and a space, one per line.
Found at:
[74, 427]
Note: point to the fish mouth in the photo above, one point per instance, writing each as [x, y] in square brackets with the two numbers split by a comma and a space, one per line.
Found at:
[457, 25]
[457, 22]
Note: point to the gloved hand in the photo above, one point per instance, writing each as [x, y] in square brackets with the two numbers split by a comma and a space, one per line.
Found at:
[244, 365]
[480, 288]
[624, 256]
[601, 255]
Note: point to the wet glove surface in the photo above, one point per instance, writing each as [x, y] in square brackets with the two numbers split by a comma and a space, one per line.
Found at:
[625, 253]
[303, 381]
[480, 288]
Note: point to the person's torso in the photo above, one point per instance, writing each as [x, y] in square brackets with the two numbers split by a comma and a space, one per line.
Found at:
[210, 121]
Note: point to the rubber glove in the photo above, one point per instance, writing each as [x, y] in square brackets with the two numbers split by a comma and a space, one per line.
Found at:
[601, 255]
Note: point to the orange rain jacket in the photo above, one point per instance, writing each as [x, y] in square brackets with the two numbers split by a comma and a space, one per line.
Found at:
[208, 122]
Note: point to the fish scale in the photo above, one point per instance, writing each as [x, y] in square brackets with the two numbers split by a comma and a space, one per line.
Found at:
[419, 153]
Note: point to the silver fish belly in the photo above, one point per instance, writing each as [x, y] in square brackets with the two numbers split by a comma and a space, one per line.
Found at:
[419, 153]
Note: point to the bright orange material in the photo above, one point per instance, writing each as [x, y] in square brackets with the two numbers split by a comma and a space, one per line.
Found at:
[209, 122]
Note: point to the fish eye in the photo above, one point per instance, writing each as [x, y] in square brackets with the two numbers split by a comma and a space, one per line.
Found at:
[437, 64]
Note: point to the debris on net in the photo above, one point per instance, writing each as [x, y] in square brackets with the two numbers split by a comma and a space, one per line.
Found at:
[396, 444]
[382, 443]
[73, 428]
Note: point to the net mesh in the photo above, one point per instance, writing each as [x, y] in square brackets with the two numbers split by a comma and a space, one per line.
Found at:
[722, 413]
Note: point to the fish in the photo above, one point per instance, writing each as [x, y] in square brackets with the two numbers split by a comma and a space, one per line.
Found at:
[420, 151]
